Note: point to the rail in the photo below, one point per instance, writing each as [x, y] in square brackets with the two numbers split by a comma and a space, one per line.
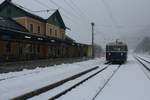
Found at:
[52, 86]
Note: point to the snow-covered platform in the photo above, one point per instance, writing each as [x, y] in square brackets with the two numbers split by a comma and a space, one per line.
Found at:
[14, 84]
[129, 83]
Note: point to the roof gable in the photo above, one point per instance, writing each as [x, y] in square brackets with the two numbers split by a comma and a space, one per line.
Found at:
[50, 16]
[9, 9]
[56, 19]
[21, 6]
[6, 8]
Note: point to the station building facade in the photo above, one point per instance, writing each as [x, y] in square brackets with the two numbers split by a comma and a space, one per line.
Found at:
[26, 36]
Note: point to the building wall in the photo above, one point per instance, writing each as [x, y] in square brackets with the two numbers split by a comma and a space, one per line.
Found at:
[26, 21]
[89, 51]
[62, 35]
[2, 48]
[54, 31]
[8, 54]
[10, 10]
[45, 28]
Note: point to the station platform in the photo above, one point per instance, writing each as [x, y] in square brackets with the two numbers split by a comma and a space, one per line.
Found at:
[6, 67]
[129, 83]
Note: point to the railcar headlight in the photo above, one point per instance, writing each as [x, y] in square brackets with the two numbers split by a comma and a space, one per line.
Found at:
[109, 54]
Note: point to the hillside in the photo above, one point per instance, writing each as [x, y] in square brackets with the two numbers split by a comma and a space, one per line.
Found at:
[143, 46]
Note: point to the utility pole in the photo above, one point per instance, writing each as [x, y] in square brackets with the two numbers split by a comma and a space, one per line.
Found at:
[93, 51]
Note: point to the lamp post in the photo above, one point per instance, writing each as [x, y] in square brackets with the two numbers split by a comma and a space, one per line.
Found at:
[93, 55]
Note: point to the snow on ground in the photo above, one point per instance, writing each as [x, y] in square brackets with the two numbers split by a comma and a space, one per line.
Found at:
[53, 92]
[147, 64]
[37, 70]
[146, 56]
[29, 80]
[129, 83]
[89, 89]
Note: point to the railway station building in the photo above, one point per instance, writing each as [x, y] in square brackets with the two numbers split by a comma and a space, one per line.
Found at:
[27, 36]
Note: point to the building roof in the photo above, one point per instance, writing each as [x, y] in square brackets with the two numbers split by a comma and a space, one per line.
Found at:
[67, 38]
[37, 11]
[10, 27]
[11, 24]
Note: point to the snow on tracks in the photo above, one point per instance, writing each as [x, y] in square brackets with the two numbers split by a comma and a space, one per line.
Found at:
[145, 64]
[65, 88]
[129, 83]
[51, 86]
[90, 88]
[23, 84]
[142, 60]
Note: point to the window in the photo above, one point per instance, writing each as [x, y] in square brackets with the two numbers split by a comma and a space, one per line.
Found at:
[39, 29]
[55, 32]
[27, 48]
[20, 49]
[38, 49]
[55, 19]
[8, 47]
[50, 31]
[31, 28]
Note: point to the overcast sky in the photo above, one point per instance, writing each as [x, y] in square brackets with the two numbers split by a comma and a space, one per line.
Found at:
[125, 19]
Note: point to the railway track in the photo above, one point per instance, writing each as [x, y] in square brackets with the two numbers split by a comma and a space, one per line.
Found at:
[146, 68]
[99, 91]
[53, 96]
[139, 59]
[57, 84]
[77, 84]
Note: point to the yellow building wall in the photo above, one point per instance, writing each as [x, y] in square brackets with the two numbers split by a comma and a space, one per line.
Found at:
[44, 27]
[26, 21]
[60, 32]
[22, 21]
[62, 35]
[36, 23]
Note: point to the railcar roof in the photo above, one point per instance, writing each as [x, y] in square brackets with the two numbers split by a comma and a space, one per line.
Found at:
[117, 43]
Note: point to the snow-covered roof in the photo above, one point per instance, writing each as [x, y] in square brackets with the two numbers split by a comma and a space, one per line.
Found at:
[38, 9]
